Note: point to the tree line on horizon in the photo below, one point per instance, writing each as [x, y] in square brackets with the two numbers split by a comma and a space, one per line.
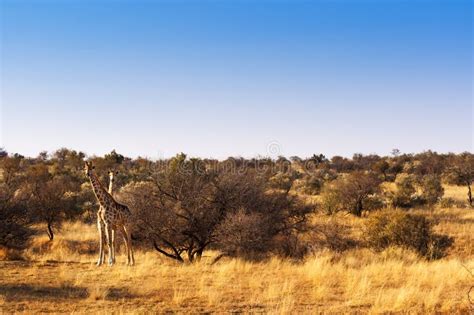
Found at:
[242, 207]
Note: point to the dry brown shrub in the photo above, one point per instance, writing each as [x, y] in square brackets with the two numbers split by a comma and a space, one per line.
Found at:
[331, 235]
[10, 254]
[399, 228]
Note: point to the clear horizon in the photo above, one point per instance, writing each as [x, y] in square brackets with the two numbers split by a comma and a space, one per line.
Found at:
[236, 78]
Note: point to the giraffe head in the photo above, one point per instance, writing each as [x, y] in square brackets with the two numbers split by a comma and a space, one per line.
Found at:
[112, 174]
[88, 168]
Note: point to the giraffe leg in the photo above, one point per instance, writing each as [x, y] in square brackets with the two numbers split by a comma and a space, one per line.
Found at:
[125, 241]
[129, 245]
[101, 241]
[104, 241]
[113, 244]
[108, 235]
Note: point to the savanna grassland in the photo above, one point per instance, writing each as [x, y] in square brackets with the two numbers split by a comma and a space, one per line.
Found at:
[405, 245]
[61, 276]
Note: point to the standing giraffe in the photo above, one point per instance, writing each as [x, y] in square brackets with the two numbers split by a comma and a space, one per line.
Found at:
[101, 224]
[114, 216]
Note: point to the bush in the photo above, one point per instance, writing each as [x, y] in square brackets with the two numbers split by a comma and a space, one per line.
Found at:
[382, 168]
[330, 201]
[313, 183]
[350, 193]
[244, 234]
[398, 228]
[15, 230]
[282, 181]
[432, 190]
[403, 197]
[374, 202]
[258, 221]
[14, 235]
[331, 235]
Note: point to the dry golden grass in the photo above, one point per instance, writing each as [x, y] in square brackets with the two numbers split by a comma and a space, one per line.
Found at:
[61, 277]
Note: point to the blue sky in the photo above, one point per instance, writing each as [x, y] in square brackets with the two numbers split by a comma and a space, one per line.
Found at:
[236, 78]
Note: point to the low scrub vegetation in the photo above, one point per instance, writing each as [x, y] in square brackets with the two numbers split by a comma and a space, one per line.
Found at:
[332, 226]
[412, 231]
[257, 207]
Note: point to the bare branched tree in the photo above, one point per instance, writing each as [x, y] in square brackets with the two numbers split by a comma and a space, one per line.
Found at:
[182, 209]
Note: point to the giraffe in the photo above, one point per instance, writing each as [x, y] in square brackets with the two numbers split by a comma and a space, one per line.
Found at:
[101, 224]
[115, 217]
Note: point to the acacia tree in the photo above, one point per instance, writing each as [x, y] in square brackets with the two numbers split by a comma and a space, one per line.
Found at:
[14, 223]
[316, 161]
[181, 209]
[381, 167]
[49, 197]
[283, 180]
[351, 192]
[365, 162]
[429, 163]
[11, 181]
[461, 172]
[176, 214]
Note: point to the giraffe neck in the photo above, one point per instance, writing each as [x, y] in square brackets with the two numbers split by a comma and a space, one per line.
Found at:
[102, 195]
[111, 182]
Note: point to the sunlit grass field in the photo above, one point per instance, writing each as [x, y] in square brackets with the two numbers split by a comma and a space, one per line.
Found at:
[61, 277]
